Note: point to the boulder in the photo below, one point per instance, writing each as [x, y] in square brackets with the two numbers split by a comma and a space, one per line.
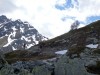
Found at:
[2, 60]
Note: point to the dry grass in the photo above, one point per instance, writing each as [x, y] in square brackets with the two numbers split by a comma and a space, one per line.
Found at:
[25, 55]
[75, 50]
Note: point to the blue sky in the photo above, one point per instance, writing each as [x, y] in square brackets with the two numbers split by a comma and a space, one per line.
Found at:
[92, 19]
[68, 5]
[52, 17]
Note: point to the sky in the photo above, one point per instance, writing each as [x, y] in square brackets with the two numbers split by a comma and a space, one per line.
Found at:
[52, 17]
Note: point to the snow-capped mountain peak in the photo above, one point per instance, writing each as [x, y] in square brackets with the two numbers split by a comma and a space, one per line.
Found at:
[15, 34]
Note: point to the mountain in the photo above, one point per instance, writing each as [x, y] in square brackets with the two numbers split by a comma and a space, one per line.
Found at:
[81, 58]
[78, 37]
[83, 51]
[15, 34]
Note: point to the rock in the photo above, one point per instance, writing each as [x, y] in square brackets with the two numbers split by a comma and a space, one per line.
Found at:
[87, 64]
[9, 70]
[41, 70]
[29, 65]
[26, 68]
[2, 60]
[70, 67]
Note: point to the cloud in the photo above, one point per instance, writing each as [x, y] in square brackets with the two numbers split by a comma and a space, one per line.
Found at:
[89, 8]
[6, 6]
[82, 9]
[49, 18]
[43, 16]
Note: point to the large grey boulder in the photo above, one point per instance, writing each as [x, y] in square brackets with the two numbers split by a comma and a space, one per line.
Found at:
[66, 66]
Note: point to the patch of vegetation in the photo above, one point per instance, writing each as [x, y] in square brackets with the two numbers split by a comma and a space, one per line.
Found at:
[75, 50]
[97, 51]
[95, 69]
[25, 55]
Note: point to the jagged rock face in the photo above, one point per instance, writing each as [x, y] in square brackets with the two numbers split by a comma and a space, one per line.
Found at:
[14, 34]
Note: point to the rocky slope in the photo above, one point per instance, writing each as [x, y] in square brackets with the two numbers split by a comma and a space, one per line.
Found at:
[14, 34]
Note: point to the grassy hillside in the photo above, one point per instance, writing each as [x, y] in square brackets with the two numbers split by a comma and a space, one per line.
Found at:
[25, 55]
[77, 36]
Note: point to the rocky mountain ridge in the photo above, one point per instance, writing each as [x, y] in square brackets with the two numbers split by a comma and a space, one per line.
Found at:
[15, 34]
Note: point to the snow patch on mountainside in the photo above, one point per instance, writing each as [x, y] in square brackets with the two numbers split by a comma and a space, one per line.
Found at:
[9, 43]
[9, 40]
[14, 48]
[61, 52]
[14, 31]
[35, 39]
[92, 45]
[29, 45]
[22, 30]
[26, 39]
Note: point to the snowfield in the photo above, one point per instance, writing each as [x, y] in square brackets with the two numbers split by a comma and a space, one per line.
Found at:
[61, 52]
[92, 46]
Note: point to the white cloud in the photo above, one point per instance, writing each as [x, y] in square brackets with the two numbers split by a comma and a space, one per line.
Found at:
[6, 6]
[90, 7]
[61, 2]
[43, 15]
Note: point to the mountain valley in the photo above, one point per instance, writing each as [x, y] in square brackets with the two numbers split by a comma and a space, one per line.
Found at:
[76, 52]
